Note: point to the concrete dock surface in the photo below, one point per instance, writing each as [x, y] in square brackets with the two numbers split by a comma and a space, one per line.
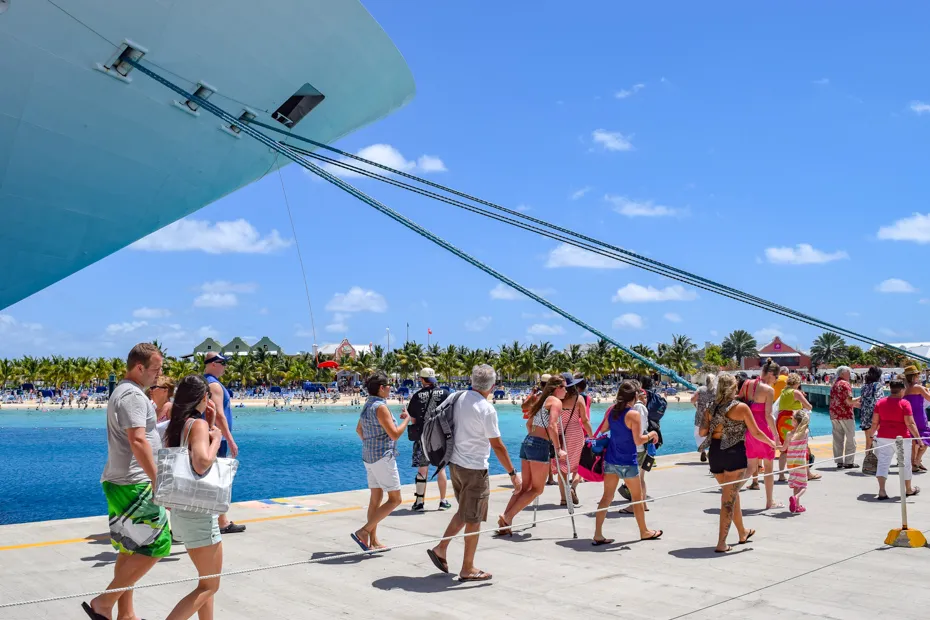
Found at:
[829, 562]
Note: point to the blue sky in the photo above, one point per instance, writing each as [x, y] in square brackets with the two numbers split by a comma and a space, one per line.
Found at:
[781, 151]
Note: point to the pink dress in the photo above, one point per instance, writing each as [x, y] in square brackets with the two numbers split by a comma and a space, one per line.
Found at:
[755, 449]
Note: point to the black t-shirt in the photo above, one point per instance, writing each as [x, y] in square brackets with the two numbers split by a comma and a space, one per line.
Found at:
[423, 402]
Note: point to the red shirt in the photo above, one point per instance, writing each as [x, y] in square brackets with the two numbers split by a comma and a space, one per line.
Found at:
[890, 413]
[839, 409]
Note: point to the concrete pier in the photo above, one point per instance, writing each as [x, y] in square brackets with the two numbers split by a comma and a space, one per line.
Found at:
[829, 562]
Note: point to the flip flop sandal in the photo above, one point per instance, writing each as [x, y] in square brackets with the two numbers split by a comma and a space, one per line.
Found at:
[93, 615]
[479, 576]
[359, 542]
[655, 536]
[727, 550]
[438, 562]
[881, 498]
[626, 511]
[749, 535]
[603, 541]
[914, 492]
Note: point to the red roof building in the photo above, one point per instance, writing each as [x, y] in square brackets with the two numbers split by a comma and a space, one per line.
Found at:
[781, 354]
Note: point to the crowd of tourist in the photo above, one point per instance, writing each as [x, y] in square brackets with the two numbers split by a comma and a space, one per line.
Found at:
[740, 425]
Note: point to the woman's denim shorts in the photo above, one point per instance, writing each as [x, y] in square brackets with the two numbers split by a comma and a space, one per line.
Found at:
[624, 471]
[535, 449]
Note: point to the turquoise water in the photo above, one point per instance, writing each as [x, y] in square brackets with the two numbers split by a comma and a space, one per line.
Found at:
[50, 463]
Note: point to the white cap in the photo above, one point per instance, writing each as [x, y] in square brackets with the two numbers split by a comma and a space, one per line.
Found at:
[544, 378]
[427, 373]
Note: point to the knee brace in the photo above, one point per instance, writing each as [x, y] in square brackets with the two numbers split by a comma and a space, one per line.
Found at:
[420, 493]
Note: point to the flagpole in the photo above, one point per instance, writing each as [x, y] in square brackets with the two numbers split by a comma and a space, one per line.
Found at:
[408, 334]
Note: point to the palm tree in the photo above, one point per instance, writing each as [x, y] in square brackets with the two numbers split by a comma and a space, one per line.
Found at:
[739, 344]
[681, 355]
[828, 348]
[7, 372]
[29, 369]
[118, 367]
[573, 355]
[242, 369]
[412, 358]
[528, 363]
[179, 369]
[448, 363]
[471, 359]
[638, 366]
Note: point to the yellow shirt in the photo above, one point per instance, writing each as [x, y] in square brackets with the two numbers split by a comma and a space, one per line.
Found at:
[780, 384]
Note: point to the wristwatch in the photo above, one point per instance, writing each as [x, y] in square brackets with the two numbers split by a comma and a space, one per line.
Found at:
[512, 473]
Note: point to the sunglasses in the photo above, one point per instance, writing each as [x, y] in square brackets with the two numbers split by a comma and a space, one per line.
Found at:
[158, 387]
[218, 361]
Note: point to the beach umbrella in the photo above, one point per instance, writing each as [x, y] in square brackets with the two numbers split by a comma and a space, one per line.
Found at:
[328, 364]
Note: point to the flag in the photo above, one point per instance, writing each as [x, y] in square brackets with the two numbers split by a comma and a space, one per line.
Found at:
[429, 331]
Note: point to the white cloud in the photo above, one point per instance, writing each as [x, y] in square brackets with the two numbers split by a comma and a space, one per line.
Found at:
[237, 236]
[714, 333]
[915, 228]
[638, 208]
[216, 300]
[821, 81]
[852, 314]
[150, 313]
[628, 321]
[125, 328]
[767, 334]
[502, 291]
[803, 254]
[357, 300]
[895, 285]
[207, 331]
[338, 325]
[578, 194]
[612, 140]
[522, 208]
[925, 301]
[263, 311]
[386, 155]
[919, 107]
[564, 255]
[673, 317]
[624, 93]
[636, 293]
[884, 331]
[8, 323]
[224, 286]
[542, 329]
[477, 325]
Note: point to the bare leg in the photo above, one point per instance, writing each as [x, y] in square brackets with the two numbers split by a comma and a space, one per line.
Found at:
[637, 495]
[728, 505]
[528, 493]
[471, 546]
[455, 526]
[611, 481]
[127, 571]
[738, 511]
[881, 486]
[782, 465]
[527, 473]
[754, 473]
[441, 481]
[770, 502]
[209, 561]
[642, 482]
[374, 501]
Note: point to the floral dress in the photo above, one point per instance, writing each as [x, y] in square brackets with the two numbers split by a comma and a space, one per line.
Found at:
[869, 395]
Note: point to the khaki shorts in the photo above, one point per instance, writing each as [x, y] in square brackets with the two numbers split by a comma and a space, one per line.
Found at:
[472, 489]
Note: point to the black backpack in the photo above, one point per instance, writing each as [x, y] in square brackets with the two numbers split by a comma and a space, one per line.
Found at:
[438, 433]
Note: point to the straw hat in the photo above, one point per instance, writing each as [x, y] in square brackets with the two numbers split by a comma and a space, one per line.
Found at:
[910, 371]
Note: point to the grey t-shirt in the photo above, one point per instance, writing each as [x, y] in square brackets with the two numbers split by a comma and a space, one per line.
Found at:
[127, 408]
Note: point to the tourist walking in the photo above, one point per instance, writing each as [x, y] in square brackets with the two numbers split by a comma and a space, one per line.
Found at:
[893, 418]
[543, 437]
[138, 528]
[574, 423]
[476, 432]
[642, 450]
[791, 401]
[379, 433]
[871, 391]
[214, 368]
[626, 434]
[761, 454]
[423, 403]
[916, 394]
[161, 394]
[200, 533]
[842, 416]
[725, 427]
[795, 446]
[702, 399]
[780, 383]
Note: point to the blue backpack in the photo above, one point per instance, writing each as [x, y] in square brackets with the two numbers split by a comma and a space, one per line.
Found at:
[656, 405]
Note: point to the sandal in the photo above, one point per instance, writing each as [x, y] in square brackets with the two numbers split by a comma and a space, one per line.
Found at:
[626, 511]
[93, 615]
[358, 541]
[881, 497]
[503, 527]
[749, 534]
[914, 492]
[603, 541]
[752, 487]
[727, 550]
[479, 576]
[438, 562]
[575, 498]
[656, 535]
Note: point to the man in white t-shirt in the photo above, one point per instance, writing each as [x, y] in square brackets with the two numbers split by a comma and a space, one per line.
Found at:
[476, 432]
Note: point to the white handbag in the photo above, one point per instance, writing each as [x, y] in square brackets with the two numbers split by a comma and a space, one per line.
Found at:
[177, 485]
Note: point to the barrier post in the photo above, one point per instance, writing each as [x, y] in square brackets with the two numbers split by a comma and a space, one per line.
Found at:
[903, 537]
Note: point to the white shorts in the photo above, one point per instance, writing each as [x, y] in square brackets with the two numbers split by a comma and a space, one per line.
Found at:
[885, 451]
[383, 474]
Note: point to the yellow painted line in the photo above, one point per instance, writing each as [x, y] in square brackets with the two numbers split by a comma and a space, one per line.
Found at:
[51, 543]
[300, 514]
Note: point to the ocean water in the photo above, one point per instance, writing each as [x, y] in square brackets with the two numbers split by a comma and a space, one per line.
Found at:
[50, 462]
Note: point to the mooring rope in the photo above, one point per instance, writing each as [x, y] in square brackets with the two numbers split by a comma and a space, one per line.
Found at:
[631, 258]
[406, 222]
[355, 554]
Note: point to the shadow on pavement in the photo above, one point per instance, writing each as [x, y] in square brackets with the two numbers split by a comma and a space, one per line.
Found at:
[584, 545]
[438, 582]
[321, 555]
[705, 553]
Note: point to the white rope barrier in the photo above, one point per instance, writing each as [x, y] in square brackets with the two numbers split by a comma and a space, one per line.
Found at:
[344, 556]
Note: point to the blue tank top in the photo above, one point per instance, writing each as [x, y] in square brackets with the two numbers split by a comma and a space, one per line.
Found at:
[621, 450]
[227, 410]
